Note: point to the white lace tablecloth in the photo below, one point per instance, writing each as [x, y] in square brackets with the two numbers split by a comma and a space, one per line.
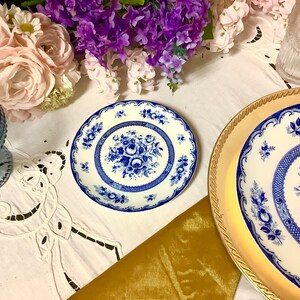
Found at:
[56, 239]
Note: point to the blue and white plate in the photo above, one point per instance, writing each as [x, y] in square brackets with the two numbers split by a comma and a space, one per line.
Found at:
[268, 187]
[133, 155]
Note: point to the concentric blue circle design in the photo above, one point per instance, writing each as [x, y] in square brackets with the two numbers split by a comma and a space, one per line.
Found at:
[138, 188]
[278, 192]
[97, 138]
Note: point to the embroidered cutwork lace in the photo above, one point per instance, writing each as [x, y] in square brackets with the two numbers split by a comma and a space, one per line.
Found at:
[36, 214]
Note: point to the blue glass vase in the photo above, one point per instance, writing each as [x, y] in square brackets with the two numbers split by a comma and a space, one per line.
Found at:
[5, 156]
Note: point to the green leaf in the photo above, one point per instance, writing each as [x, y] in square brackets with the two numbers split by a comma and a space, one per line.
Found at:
[208, 30]
[172, 86]
[179, 51]
[32, 3]
[132, 2]
[154, 3]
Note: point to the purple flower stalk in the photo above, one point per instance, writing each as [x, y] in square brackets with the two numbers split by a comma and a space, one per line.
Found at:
[168, 30]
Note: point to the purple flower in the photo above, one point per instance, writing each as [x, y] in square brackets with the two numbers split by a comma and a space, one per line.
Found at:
[177, 64]
[165, 59]
[158, 27]
[182, 38]
[57, 11]
[141, 37]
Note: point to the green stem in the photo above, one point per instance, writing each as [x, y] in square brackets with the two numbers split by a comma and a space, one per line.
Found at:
[32, 3]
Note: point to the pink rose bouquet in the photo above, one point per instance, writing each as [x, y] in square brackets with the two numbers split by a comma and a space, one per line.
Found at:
[38, 71]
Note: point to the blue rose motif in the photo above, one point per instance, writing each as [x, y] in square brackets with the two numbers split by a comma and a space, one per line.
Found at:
[134, 155]
[264, 216]
[149, 138]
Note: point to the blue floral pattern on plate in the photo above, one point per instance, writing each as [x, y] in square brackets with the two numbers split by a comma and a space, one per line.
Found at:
[120, 114]
[181, 170]
[150, 197]
[297, 190]
[91, 134]
[294, 127]
[110, 196]
[261, 213]
[85, 167]
[267, 179]
[154, 115]
[180, 138]
[265, 150]
[134, 155]
[129, 156]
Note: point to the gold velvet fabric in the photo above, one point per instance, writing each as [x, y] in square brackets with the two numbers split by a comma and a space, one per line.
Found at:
[184, 260]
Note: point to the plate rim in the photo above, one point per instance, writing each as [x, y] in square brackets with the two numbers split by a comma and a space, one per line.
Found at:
[176, 192]
[215, 201]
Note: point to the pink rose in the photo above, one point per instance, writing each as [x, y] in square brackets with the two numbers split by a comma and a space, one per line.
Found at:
[23, 41]
[6, 38]
[25, 80]
[55, 47]
[21, 115]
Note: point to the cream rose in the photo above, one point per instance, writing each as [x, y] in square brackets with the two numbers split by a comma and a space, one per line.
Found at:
[6, 38]
[55, 47]
[25, 80]
[21, 115]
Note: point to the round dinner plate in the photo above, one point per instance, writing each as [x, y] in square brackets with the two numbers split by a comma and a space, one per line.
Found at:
[133, 155]
[254, 188]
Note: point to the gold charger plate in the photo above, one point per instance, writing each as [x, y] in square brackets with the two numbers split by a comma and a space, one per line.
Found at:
[230, 222]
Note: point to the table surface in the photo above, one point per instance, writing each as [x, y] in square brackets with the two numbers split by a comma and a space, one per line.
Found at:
[42, 254]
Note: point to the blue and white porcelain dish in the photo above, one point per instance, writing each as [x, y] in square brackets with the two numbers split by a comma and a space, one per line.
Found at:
[268, 188]
[133, 155]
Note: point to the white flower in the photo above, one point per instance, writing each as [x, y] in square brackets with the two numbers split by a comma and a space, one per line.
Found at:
[286, 7]
[228, 25]
[232, 15]
[107, 79]
[8, 14]
[222, 40]
[140, 73]
[26, 24]
[135, 85]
